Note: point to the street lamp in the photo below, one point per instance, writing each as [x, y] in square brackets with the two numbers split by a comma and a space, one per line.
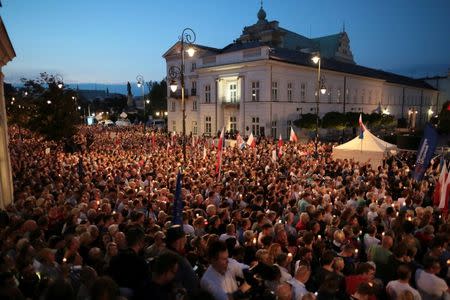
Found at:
[187, 38]
[59, 81]
[140, 84]
[322, 89]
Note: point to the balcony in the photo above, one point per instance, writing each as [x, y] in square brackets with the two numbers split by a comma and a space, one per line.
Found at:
[228, 102]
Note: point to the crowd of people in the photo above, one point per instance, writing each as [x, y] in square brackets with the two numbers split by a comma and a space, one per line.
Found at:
[95, 221]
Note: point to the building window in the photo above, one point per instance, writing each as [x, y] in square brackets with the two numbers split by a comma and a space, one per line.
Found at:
[339, 95]
[370, 96]
[274, 91]
[194, 105]
[194, 128]
[208, 127]
[355, 96]
[255, 91]
[193, 67]
[363, 92]
[174, 126]
[233, 92]
[255, 125]
[289, 91]
[172, 106]
[274, 129]
[233, 124]
[303, 92]
[207, 93]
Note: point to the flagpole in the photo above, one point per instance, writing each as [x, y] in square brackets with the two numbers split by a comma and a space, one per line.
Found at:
[220, 162]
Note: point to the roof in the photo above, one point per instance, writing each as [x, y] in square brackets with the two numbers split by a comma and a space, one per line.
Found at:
[328, 44]
[369, 143]
[304, 59]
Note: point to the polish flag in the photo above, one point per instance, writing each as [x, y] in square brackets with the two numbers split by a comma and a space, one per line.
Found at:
[444, 189]
[293, 136]
[219, 151]
[439, 184]
[239, 141]
[362, 127]
[251, 141]
[280, 147]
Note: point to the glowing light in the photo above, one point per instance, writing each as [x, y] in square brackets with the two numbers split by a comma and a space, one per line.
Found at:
[315, 59]
[190, 51]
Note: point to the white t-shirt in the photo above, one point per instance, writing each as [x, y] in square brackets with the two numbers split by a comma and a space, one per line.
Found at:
[221, 285]
[395, 288]
[430, 283]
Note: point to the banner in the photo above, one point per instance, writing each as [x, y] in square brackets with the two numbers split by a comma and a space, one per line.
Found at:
[425, 151]
[178, 203]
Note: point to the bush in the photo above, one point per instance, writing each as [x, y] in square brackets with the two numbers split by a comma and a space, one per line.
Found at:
[334, 120]
[307, 121]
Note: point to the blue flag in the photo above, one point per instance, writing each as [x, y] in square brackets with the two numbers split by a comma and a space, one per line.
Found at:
[425, 151]
[178, 204]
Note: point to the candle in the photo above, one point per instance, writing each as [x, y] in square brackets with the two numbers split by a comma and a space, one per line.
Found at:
[382, 233]
[356, 251]
[319, 237]
[196, 215]
[360, 232]
[409, 219]
[254, 241]
[64, 260]
[289, 254]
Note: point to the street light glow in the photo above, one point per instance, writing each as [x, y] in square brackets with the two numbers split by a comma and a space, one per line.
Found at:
[190, 51]
[148, 101]
[157, 113]
[49, 102]
[315, 59]
[173, 86]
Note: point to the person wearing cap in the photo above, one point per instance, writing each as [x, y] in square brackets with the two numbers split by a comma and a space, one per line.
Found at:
[176, 243]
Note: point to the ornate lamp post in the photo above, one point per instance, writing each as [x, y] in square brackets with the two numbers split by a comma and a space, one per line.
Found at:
[322, 89]
[140, 84]
[187, 39]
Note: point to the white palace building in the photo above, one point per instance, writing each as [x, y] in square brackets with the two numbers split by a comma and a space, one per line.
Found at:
[266, 79]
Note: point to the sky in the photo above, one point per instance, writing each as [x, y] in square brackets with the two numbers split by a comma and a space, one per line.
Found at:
[112, 41]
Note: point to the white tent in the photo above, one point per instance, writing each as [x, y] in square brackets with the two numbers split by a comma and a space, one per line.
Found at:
[368, 149]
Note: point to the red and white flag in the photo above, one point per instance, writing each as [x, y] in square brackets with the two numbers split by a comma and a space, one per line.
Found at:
[219, 151]
[239, 141]
[293, 136]
[251, 141]
[444, 188]
[439, 184]
[280, 147]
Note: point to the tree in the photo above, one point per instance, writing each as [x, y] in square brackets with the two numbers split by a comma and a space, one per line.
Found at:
[49, 110]
[335, 120]
[158, 96]
[307, 121]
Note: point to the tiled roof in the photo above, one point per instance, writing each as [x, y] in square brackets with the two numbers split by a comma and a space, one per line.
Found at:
[304, 59]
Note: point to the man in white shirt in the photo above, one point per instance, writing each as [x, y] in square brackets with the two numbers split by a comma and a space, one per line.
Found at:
[396, 287]
[429, 285]
[298, 282]
[220, 277]
[282, 261]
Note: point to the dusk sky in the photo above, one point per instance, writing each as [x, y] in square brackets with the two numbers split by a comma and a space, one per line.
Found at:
[112, 41]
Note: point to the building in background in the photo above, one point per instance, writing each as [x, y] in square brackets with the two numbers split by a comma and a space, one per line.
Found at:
[265, 80]
[442, 84]
[7, 53]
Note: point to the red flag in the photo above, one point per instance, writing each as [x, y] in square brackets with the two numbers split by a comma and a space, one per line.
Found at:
[219, 151]
[280, 147]
[439, 184]
[293, 136]
[251, 141]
